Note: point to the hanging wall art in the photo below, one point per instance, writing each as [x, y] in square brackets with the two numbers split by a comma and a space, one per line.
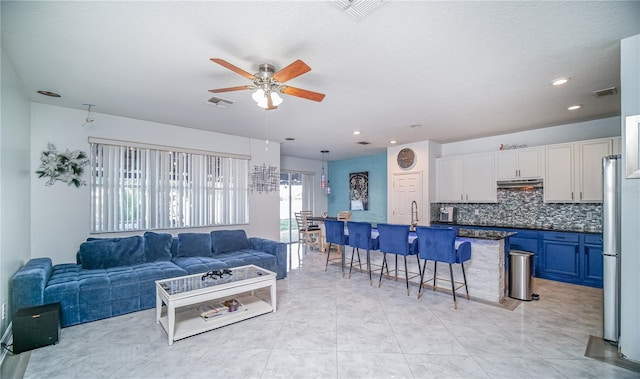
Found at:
[359, 191]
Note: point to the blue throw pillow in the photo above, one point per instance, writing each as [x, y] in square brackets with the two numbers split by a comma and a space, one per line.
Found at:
[224, 241]
[111, 252]
[194, 245]
[157, 246]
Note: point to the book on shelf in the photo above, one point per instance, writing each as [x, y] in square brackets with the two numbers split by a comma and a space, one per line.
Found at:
[212, 310]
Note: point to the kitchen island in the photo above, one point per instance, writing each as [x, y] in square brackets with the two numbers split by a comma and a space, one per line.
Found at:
[486, 276]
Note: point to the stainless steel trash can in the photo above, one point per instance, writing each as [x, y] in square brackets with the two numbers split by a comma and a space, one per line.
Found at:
[520, 275]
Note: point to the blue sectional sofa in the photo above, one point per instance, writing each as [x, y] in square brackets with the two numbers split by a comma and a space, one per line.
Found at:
[114, 276]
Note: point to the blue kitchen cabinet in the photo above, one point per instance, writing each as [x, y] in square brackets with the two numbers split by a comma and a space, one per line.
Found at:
[592, 265]
[527, 240]
[572, 258]
[561, 257]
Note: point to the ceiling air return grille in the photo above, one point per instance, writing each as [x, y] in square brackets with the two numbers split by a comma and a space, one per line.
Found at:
[358, 8]
[606, 92]
[219, 102]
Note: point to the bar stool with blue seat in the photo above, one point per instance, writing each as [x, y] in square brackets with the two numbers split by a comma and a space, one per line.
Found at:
[334, 234]
[394, 239]
[438, 245]
[360, 238]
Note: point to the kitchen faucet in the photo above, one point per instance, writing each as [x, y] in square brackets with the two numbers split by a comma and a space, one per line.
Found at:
[414, 215]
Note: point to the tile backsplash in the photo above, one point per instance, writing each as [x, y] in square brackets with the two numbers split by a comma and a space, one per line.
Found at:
[526, 208]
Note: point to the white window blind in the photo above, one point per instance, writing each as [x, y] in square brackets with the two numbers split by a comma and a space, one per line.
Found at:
[141, 188]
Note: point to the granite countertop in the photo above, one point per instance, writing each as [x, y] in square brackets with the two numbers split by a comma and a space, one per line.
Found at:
[484, 234]
[543, 227]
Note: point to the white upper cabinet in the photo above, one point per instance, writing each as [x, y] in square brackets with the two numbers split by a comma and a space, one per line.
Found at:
[520, 163]
[590, 172]
[573, 171]
[466, 179]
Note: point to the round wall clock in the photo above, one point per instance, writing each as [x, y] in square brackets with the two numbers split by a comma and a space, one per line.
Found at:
[406, 158]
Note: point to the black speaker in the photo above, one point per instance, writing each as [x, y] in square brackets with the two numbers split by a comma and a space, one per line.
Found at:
[36, 327]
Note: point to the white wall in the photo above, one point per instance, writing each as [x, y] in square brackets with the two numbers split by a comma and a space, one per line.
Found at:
[14, 181]
[630, 252]
[60, 214]
[602, 128]
[309, 166]
[422, 166]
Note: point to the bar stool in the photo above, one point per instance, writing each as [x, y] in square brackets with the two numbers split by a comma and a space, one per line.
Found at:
[360, 238]
[334, 231]
[394, 239]
[438, 245]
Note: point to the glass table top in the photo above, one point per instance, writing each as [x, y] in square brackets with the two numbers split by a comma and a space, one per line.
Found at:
[211, 278]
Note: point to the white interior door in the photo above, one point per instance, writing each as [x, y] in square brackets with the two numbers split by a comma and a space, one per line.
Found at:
[406, 189]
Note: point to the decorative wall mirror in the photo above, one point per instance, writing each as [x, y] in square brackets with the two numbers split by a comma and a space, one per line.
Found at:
[632, 146]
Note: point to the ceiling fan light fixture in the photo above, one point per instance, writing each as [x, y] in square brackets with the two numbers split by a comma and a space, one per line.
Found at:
[260, 97]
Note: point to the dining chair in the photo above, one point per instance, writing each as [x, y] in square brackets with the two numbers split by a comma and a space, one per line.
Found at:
[360, 238]
[394, 239]
[308, 233]
[438, 245]
[334, 232]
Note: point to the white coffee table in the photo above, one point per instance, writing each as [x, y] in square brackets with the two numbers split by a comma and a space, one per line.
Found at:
[177, 300]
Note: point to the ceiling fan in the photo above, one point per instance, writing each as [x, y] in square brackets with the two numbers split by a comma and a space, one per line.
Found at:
[268, 83]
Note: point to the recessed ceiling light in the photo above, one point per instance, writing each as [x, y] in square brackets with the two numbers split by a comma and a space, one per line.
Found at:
[559, 81]
[574, 107]
[48, 93]
[393, 142]
[356, 133]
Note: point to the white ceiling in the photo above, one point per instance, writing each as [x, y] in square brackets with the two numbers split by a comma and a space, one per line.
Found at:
[459, 69]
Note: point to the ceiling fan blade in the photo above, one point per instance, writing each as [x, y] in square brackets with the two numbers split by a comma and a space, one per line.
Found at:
[293, 70]
[233, 68]
[305, 94]
[229, 89]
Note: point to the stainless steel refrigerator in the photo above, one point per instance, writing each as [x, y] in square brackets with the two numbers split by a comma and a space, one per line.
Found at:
[612, 174]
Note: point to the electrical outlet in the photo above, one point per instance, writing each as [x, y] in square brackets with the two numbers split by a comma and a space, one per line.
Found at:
[476, 212]
[4, 310]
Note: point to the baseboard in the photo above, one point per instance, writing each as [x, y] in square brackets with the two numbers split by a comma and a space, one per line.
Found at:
[7, 340]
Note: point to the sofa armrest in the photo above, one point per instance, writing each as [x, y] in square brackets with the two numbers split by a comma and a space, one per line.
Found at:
[278, 249]
[27, 285]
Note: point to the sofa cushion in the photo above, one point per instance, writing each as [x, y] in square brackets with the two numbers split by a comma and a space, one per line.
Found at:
[224, 241]
[194, 245]
[157, 246]
[111, 252]
[199, 265]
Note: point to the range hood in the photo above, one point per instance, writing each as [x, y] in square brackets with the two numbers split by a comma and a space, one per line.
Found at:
[520, 183]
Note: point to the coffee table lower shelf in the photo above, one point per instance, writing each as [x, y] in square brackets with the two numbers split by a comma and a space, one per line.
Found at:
[188, 321]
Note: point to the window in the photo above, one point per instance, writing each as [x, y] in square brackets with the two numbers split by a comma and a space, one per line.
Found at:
[138, 187]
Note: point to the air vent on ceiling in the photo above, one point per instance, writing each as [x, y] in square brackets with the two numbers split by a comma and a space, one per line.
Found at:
[358, 8]
[219, 102]
[363, 143]
[606, 92]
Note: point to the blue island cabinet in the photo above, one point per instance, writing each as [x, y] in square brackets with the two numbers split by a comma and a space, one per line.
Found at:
[572, 257]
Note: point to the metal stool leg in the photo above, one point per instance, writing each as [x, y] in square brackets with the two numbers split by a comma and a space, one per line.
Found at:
[465, 280]
[453, 287]
[384, 262]
[424, 268]
[326, 266]
[406, 273]
[435, 274]
[351, 266]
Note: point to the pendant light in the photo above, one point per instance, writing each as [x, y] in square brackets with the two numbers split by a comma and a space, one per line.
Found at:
[324, 183]
[323, 175]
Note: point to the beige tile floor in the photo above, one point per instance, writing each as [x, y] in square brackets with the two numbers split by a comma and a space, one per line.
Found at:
[328, 326]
